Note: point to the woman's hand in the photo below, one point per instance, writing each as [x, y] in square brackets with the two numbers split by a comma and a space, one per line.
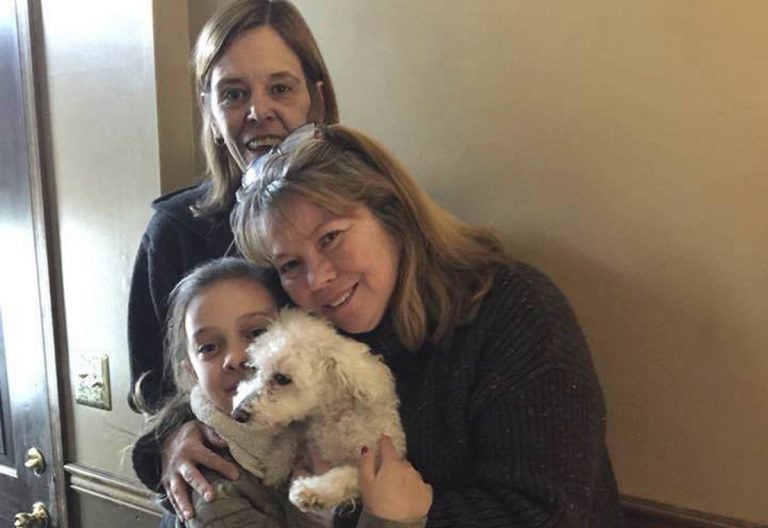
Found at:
[182, 452]
[395, 490]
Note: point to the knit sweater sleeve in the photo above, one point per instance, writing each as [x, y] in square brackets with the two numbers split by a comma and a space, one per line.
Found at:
[537, 419]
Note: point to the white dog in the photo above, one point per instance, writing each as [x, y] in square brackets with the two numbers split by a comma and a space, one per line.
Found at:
[310, 387]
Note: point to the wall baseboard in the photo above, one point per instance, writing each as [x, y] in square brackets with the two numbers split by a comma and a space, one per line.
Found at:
[642, 513]
[107, 486]
[639, 513]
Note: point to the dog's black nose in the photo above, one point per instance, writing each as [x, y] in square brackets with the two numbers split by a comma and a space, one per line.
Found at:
[240, 415]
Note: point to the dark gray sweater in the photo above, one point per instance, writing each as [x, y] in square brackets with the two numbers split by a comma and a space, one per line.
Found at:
[507, 422]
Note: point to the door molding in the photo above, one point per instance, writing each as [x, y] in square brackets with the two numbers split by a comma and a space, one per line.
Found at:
[112, 488]
[643, 513]
[31, 61]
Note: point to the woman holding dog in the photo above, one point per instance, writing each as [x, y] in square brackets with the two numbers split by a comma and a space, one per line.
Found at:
[503, 412]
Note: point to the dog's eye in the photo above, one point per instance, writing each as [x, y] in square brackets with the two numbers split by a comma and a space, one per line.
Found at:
[281, 379]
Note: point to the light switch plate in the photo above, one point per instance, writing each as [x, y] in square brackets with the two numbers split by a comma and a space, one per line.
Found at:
[92, 382]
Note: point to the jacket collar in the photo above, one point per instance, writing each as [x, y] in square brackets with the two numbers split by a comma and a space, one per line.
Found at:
[177, 206]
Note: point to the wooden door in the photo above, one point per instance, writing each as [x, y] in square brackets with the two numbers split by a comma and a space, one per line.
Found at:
[28, 396]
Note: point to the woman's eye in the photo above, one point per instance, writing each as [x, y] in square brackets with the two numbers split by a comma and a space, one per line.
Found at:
[280, 89]
[286, 268]
[329, 238]
[232, 95]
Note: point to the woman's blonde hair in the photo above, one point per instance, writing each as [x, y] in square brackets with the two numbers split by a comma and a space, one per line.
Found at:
[224, 26]
[445, 266]
[175, 350]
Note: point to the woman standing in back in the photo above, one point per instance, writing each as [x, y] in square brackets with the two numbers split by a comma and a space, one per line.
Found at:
[259, 75]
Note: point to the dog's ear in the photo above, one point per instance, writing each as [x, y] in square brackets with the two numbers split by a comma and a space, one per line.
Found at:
[356, 371]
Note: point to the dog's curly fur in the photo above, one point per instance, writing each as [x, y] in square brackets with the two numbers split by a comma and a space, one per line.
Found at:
[313, 387]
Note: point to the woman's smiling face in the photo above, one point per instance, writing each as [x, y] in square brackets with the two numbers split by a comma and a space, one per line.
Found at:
[342, 267]
[258, 94]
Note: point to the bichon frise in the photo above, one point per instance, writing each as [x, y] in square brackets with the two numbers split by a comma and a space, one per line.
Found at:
[310, 387]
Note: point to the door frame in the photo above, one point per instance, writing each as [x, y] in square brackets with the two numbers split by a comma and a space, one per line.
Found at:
[31, 60]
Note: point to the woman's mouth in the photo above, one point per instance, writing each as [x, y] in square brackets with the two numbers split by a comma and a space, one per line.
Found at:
[342, 299]
[262, 145]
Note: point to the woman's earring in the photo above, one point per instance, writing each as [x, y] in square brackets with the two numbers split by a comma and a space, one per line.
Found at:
[218, 141]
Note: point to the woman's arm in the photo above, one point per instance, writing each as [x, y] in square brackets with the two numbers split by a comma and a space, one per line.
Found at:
[540, 462]
[168, 250]
[183, 454]
[167, 459]
[244, 503]
[536, 418]
[145, 316]
[393, 492]
[368, 520]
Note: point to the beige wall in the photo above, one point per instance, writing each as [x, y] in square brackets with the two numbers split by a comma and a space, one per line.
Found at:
[120, 131]
[180, 159]
[104, 161]
[620, 146]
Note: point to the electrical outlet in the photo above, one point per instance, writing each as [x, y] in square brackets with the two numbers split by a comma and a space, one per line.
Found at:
[92, 382]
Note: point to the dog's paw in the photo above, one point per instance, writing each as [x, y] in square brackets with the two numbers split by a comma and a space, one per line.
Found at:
[337, 486]
[307, 494]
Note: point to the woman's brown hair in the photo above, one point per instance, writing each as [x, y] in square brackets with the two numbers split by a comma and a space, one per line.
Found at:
[224, 26]
[445, 266]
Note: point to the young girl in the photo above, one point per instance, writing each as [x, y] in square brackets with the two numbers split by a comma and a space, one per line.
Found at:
[215, 312]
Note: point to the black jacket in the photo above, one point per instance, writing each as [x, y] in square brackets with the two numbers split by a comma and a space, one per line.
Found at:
[174, 242]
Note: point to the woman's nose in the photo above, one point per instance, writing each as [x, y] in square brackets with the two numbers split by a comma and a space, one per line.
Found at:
[320, 273]
[261, 108]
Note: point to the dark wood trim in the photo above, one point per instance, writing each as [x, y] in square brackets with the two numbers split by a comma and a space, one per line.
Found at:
[32, 57]
[639, 513]
[643, 513]
[112, 488]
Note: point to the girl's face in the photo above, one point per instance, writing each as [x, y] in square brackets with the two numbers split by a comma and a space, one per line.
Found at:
[341, 267]
[220, 323]
[258, 94]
